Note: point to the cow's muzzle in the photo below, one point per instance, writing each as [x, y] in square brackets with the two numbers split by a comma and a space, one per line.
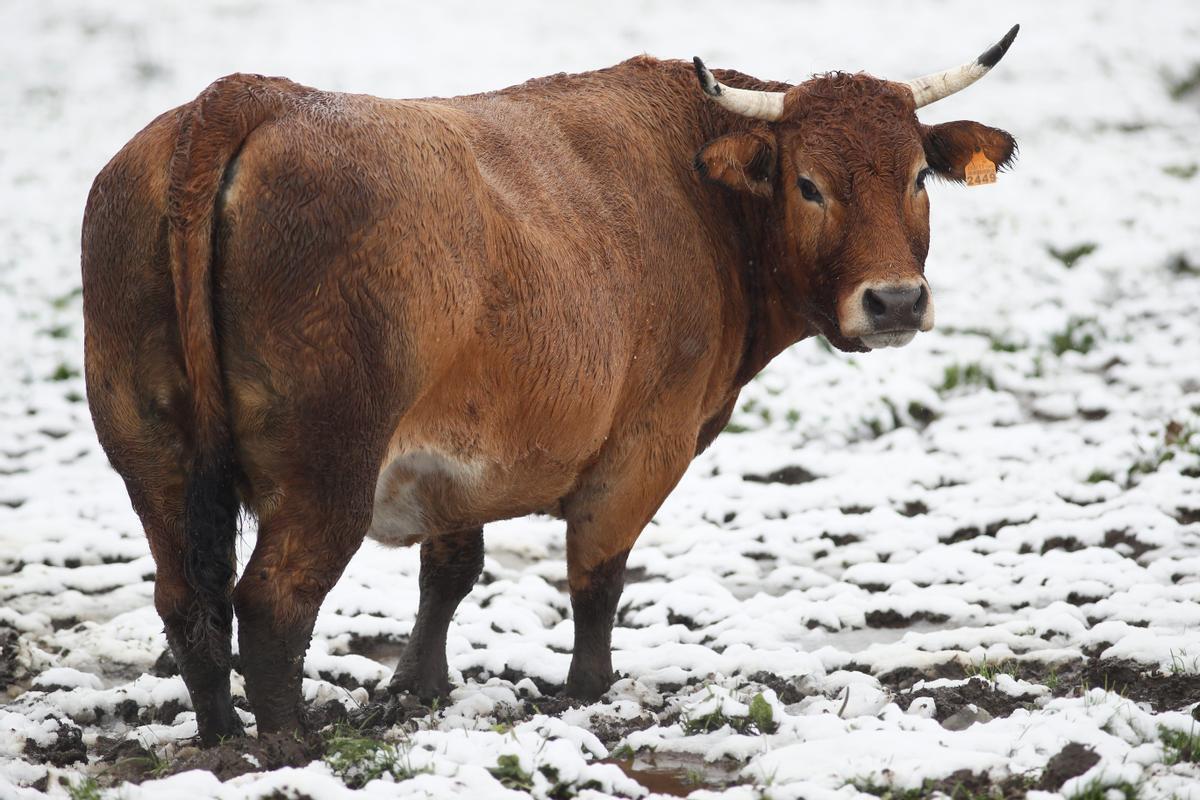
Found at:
[887, 314]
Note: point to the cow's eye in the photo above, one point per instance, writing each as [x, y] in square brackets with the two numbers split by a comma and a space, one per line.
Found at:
[921, 176]
[809, 191]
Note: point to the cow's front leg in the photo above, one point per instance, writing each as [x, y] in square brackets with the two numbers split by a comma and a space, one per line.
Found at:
[595, 592]
[605, 515]
[450, 565]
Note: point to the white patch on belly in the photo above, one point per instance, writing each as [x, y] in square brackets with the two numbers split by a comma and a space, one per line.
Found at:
[400, 516]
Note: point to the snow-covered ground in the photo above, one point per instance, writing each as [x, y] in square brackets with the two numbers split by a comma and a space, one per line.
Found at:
[906, 570]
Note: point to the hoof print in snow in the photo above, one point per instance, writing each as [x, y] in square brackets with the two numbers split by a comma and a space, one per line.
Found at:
[64, 748]
[1070, 762]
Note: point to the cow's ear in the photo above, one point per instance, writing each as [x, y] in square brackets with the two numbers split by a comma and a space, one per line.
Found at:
[741, 161]
[950, 146]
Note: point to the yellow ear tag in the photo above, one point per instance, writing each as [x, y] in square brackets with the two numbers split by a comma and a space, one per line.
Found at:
[981, 170]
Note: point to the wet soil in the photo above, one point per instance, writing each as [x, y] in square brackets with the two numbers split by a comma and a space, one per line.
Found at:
[951, 700]
[130, 762]
[66, 748]
[1070, 762]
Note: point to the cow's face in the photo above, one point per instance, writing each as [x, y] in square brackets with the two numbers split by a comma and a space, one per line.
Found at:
[844, 171]
[840, 164]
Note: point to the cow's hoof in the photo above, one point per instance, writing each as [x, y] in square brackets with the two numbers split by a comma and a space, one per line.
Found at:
[226, 724]
[588, 688]
[426, 686]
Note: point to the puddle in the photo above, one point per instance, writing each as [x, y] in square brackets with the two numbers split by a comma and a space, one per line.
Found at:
[678, 774]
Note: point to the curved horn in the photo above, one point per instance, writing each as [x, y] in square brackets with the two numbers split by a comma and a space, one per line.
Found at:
[747, 102]
[931, 88]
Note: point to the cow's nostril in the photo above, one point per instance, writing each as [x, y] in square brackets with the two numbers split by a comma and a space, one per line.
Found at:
[922, 301]
[874, 304]
[891, 308]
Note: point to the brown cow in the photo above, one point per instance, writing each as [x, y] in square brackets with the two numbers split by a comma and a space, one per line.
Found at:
[352, 316]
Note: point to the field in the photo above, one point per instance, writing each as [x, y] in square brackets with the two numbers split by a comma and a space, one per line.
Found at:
[967, 568]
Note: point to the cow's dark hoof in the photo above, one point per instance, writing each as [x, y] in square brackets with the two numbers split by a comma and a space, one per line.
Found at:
[219, 724]
[425, 685]
[588, 687]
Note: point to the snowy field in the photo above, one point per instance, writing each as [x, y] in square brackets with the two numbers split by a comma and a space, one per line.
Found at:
[968, 566]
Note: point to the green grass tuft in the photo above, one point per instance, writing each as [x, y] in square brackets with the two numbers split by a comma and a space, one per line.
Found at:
[64, 372]
[963, 375]
[1182, 171]
[1070, 255]
[508, 771]
[758, 720]
[358, 759]
[1180, 747]
[1097, 790]
[86, 789]
[1188, 83]
[1079, 335]
[988, 670]
[761, 716]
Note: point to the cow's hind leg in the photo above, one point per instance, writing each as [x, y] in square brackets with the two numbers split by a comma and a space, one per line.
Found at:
[302, 549]
[199, 641]
[450, 565]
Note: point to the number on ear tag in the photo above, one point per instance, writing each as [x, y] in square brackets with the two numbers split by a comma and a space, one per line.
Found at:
[981, 170]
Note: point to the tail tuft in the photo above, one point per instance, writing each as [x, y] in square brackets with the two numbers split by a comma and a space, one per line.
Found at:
[210, 563]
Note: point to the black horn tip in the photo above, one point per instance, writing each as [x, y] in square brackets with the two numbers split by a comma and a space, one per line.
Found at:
[993, 54]
[707, 82]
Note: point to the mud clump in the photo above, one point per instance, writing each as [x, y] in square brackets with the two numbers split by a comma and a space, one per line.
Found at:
[788, 476]
[164, 665]
[239, 756]
[66, 748]
[788, 690]
[1165, 692]
[890, 618]
[1070, 762]
[902, 679]
[611, 731]
[1137, 682]
[11, 670]
[977, 692]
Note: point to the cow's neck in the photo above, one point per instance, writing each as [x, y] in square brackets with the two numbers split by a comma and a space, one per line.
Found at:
[772, 314]
[766, 306]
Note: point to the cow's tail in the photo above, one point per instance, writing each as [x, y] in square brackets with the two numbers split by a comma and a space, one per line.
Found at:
[212, 132]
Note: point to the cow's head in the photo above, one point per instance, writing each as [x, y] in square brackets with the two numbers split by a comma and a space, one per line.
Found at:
[842, 160]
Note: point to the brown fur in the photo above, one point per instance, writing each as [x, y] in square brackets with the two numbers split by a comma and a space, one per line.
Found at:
[541, 286]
